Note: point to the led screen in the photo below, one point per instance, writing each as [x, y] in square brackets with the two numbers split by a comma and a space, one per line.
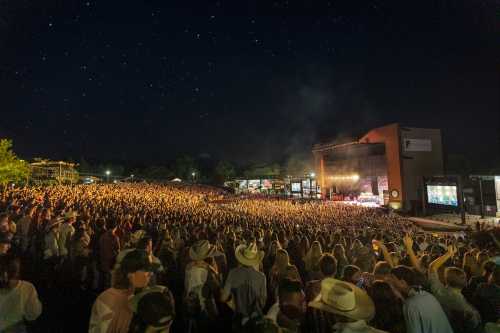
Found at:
[295, 187]
[267, 184]
[254, 183]
[442, 195]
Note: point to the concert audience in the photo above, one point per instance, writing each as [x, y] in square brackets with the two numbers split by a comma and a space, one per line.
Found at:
[192, 258]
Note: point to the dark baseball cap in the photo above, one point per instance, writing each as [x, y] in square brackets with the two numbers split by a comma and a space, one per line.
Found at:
[136, 260]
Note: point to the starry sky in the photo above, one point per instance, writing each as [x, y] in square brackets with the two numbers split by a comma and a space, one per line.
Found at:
[243, 80]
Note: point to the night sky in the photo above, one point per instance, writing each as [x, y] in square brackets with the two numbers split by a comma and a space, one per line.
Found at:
[243, 81]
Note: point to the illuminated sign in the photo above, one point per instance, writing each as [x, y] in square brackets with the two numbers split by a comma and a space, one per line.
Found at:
[417, 144]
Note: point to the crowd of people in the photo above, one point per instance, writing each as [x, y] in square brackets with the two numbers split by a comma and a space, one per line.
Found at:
[192, 258]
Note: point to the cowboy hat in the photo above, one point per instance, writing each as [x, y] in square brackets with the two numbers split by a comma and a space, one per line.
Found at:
[137, 236]
[54, 222]
[249, 255]
[345, 299]
[70, 215]
[201, 249]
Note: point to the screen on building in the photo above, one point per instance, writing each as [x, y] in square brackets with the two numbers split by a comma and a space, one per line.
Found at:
[442, 195]
[267, 184]
[296, 187]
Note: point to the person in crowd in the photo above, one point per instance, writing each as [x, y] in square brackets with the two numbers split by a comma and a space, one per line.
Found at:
[5, 243]
[146, 243]
[153, 311]
[381, 271]
[341, 257]
[311, 261]
[109, 247]
[80, 255]
[246, 285]
[289, 312]
[24, 226]
[351, 274]
[19, 302]
[328, 268]
[487, 269]
[6, 224]
[202, 287]
[461, 314]
[487, 297]
[421, 310]
[351, 306]
[51, 252]
[388, 307]
[281, 269]
[66, 232]
[111, 311]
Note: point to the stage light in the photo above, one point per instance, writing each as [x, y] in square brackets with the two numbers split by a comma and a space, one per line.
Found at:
[353, 178]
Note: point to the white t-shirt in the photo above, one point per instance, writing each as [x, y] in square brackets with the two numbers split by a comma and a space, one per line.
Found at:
[18, 304]
[195, 279]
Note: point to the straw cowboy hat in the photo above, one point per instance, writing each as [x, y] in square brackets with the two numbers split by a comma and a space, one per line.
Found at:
[53, 222]
[201, 250]
[249, 255]
[345, 299]
[137, 236]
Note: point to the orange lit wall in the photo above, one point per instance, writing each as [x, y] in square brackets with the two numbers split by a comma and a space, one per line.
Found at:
[389, 135]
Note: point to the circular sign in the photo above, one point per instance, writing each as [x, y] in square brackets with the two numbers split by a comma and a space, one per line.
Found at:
[394, 193]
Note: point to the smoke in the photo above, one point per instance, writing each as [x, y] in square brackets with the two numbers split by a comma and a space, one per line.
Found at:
[325, 106]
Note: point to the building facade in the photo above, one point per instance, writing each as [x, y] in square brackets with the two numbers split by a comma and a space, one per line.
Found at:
[389, 162]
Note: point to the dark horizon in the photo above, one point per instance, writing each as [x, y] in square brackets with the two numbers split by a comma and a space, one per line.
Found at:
[246, 82]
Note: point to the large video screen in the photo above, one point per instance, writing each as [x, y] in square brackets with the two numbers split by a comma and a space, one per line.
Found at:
[442, 195]
[296, 187]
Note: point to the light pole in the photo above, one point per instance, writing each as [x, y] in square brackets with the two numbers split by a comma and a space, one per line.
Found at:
[108, 172]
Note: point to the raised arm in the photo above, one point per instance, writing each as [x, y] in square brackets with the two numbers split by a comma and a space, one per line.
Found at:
[408, 243]
[436, 264]
[385, 252]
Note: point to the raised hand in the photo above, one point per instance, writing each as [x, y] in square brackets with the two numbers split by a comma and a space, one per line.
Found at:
[408, 241]
[452, 250]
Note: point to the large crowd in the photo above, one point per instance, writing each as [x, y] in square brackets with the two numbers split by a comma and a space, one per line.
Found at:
[191, 258]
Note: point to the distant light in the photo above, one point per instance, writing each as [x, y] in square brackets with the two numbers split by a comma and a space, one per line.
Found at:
[131, 176]
[193, 174]
[108, 172]
[313, 175]
[353, 178]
